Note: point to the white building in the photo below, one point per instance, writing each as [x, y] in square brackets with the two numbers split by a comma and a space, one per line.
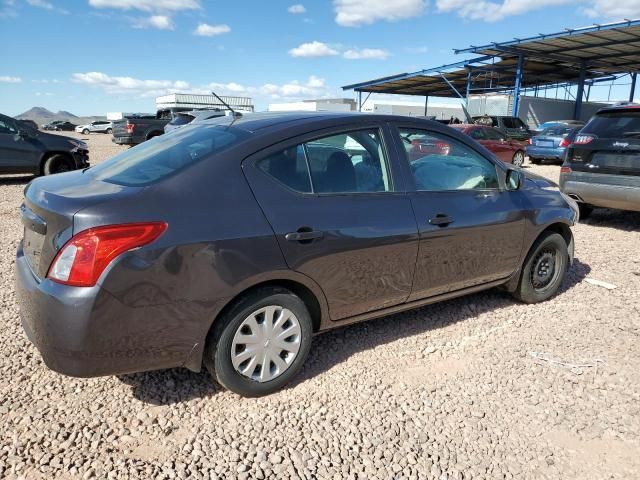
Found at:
[195, 102]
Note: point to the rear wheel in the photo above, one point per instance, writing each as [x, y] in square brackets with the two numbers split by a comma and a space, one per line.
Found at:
[261, 343]
[544, 269]
[85, 131]
[518, 158]
[57, 164]
[109, 131]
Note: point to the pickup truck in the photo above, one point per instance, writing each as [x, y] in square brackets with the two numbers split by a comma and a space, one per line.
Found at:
[135, 129]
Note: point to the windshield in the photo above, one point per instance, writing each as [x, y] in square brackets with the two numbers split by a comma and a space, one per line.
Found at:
[614, 124]
[168, 154]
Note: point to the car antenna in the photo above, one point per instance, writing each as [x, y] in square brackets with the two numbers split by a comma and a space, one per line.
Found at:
[235, 114]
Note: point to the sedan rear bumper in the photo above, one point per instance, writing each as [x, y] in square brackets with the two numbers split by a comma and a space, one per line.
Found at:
[87, 332]
[545, 153]
[603, 190]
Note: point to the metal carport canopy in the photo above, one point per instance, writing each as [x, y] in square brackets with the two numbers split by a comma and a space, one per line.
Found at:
[571, 56]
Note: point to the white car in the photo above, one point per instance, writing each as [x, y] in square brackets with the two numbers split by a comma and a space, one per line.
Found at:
[101, 126]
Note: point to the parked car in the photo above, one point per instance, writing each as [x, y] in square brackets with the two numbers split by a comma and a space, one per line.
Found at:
[135, 129]
[26, 150]
[557, 123]
[551, 144]
[29, 124]
[231, 242]
[59, 126]
[194, 116]
[99, 126]
[512, 127]
[492, 139]
[602, 163]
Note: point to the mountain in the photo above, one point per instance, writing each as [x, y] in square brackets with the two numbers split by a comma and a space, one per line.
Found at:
[41, 115]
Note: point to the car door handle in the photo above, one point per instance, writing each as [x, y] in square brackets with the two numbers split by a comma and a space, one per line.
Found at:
[441, 220]
[303, 236]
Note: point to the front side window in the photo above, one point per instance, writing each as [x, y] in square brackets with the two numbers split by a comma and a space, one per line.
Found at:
[441, 163]
[478, 134]
[345, 163]
[7, 127]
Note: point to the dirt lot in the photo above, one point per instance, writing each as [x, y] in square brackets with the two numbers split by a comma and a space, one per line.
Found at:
[463, 389]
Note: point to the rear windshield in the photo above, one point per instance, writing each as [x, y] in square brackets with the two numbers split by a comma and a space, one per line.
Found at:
[614, 124]
[168, 154]
[513, 123]
[558, 131]
[181, 119]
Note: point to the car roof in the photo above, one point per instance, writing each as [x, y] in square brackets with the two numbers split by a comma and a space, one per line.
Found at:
[253, 122]
[621, 108]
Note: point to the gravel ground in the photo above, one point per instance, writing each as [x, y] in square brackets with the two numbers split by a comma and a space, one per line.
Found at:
[448, 391]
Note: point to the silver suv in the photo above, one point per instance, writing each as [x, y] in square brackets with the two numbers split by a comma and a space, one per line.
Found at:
[99, 126]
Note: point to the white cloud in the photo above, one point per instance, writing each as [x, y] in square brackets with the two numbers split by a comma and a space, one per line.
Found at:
[416, 49]
[206, 30]
[366, 54]
[353, 13]
[40, 4]
[161, 22]
[313, 49]
[147, 5]
[294, 90]
[145, 88]
[614, 9]
[7, 79]
[297, 8]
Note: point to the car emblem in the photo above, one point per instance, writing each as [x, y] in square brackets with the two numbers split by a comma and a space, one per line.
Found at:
[621, 144]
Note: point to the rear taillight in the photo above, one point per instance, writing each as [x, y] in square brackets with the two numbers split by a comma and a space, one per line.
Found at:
[81, 261]
[565, 169]
[130, 127]
[531, 141]
[583, 139]
[565, 142]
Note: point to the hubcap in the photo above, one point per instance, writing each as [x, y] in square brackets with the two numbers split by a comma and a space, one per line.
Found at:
[266, 343]
[543, 269]
[518, 159]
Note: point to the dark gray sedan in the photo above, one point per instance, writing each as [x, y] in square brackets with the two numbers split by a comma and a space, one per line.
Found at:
[231, 242]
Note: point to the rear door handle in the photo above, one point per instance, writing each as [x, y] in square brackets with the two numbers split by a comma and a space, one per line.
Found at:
[441, 220]
[303, 236]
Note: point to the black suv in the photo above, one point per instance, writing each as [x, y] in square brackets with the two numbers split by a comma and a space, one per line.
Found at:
[26, 150]
[602, 164]
[513, 127]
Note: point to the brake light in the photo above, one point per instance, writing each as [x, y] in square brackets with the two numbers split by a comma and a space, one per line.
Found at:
[583, 139]
[81, 261]
[130, 127]
[565, 142]
[531, 141]
[565, 169]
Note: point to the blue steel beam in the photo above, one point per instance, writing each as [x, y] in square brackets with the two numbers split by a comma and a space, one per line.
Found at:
[516, 90]
[632, 92]
[577, 109]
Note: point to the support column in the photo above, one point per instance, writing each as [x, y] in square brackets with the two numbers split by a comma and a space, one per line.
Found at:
[632, 92]
[468, 87]
[426, 104]
[359, 101]
[518, 85]
[580, 93]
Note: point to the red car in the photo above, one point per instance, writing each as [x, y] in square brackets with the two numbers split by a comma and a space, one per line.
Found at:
[509, 151]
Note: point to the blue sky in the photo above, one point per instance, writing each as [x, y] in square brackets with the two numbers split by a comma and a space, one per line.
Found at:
[94, 56]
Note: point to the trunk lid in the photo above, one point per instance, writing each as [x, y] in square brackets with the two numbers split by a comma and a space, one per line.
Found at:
[49, 208]
[119, 128]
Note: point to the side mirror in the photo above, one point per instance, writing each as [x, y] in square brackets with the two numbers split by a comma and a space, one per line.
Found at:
[514, 179]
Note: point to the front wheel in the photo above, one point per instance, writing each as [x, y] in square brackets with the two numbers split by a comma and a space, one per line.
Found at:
[261, 343]
[85, 132]
[544, 269]
[518, 158]
[57, 164]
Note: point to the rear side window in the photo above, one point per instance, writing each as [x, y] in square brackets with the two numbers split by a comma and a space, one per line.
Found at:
[510, 122]
[182, 119]
[493, 134]
[345, 163]
[166, 155]
[614, 124]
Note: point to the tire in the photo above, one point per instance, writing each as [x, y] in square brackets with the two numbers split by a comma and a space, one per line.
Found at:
[225, 338]
[518, 158]
[57, 164]
[550, 246]
[585, 210]
[109, 131]
[85, 132]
